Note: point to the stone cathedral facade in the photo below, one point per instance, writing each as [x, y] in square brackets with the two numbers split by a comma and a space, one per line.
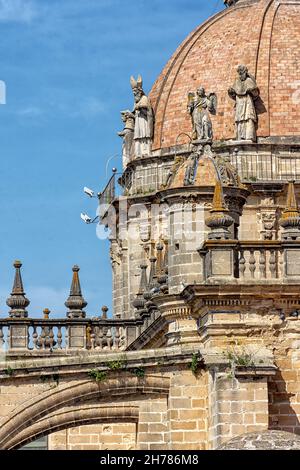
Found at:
[203, 349]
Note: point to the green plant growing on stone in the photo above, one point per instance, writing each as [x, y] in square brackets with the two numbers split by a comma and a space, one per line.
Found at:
[240, 358]
[98, 375]
[48, 378]
[9, 371]
[196, 363]
[117, 365]
[44, 378]
[139, 372]
[55, 378]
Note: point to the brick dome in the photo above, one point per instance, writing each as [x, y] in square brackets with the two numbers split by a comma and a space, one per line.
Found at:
[262, 34]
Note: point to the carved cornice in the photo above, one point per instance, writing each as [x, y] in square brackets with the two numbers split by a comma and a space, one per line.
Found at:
[203, 297]
[173, 307]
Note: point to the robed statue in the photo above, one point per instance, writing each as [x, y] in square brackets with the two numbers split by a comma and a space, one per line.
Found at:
[127, 135]
[245, 92]
[200, 106]
[144, 119]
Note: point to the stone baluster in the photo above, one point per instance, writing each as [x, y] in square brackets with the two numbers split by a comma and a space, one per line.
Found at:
[100, 339]
[88, 332]
[52, 343]
[42, 339]
[35, 337]
[109, 339]
[104, 329]
[281, 263]
[242, 264]
[116, 338]
[272, 263]
[59, 338]
[123, 338]
[67, 338]
[93, 336]
[252, 263]
[262, 263]
[46, 338]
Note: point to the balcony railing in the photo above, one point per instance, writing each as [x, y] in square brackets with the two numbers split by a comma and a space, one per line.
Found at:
[251, 261]
[63, 336]
[264, 167]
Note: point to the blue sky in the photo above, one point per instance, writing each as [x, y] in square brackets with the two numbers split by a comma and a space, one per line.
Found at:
[66, 65]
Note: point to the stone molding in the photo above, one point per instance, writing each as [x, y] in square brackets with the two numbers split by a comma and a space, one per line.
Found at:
[71, 417]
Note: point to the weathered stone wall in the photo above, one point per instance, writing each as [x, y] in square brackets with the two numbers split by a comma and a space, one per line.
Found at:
[110, 436]
[284, 388]
[166, 409]
[169, 408]
[238, 406]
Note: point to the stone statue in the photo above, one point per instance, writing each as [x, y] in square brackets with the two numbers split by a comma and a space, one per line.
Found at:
[127, 134]
[200, 106]
[245, 92]
[144, 119]
[173, 171]
[229, 3]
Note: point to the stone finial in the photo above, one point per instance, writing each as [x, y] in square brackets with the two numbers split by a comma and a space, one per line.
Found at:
[290, 219]
[163, 278]
[46, 313]
[17, 300]
[159, 255]
[139, 301]
[219, 221]
[153, 275]
[104, 312]
[153, 285]
[75, 302]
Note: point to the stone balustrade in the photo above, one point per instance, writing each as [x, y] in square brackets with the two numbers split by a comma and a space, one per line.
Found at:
[251, 261]
[260, 262]
[22, 335]
[60, 336]
[267, 167]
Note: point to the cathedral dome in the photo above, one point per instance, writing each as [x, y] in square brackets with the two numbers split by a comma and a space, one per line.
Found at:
[264, 35]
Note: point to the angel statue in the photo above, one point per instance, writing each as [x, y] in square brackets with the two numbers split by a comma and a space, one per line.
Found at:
[127, 135]
[144, 119]
[200, 106]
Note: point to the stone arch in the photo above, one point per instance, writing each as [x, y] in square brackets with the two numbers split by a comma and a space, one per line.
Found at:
[50, 401]
[73, 417]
